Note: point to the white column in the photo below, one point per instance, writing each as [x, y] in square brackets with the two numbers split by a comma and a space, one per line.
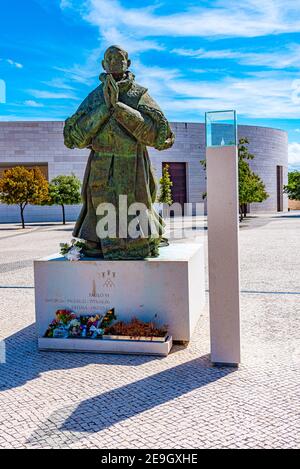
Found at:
[223, 254]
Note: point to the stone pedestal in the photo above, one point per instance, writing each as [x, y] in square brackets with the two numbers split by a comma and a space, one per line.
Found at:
[170, 286]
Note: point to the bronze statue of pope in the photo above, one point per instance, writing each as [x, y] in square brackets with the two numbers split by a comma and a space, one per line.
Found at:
[117, 121]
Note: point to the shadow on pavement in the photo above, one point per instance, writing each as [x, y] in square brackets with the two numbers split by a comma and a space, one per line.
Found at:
[140, 396]
[288, 216]
[23, 362]
[9, 228]
[70, 424]
[55, 223]
[250, 223]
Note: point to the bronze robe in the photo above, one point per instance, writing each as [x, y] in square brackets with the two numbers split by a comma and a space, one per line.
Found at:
[119, 163]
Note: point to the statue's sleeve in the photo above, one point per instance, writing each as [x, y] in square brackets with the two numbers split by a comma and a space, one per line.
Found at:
[81, 128]
[146, 123]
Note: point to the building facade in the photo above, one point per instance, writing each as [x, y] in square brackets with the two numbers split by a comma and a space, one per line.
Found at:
[41, 144]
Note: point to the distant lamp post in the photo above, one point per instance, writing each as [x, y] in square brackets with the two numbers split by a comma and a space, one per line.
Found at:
[223, 236]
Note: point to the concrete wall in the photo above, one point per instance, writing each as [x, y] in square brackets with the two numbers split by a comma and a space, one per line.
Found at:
[270, 147]
[39, 142]
[42, 142]
[189, 148]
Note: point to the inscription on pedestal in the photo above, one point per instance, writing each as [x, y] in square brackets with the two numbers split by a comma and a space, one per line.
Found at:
[176, 296]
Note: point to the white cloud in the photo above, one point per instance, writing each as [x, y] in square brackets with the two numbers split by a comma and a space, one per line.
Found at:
[262, 95]
[211, 54]
[41, 94]
[31, 103]
[227, 18]
[13, 63]
[84, 73]
[59, 84]
[257, 95]
[294, 154]
[120, 25]
[157, 79]
[65, 4]
[286, 57]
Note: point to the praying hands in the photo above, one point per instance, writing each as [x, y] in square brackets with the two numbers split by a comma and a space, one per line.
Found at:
[111, 91]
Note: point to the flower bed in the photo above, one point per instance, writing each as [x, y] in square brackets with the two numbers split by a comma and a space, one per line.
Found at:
[67, 325]
[136, 330]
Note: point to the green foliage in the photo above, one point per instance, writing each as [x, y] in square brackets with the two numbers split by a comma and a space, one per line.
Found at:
[251, 186]
[203, 164]
[165, 196]
[244, 153]
[66, 247]
[64, 190]
[293, 186]
[23, 186]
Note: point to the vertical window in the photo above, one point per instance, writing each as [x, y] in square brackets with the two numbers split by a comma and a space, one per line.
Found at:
[177, 173]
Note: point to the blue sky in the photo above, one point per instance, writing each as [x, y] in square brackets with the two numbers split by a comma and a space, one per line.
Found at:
[192, 55]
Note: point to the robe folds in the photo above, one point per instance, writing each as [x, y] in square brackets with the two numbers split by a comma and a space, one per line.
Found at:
[119, 165]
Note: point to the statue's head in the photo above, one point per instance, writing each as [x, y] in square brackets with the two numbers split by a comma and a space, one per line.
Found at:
[116, 61]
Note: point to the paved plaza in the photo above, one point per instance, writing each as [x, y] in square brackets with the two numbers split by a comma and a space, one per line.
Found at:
[61, 400]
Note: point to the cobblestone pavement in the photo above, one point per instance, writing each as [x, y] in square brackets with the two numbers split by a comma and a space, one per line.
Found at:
[59, 400]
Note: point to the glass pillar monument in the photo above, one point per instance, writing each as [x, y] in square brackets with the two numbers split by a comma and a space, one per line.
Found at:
[223, 236]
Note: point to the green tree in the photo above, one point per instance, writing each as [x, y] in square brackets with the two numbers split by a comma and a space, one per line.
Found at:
[22, 186]
[251, 186]
[64, 190]
[165, 195]
[293, 187]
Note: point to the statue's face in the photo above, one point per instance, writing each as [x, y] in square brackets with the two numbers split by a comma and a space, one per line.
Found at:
[116, 63]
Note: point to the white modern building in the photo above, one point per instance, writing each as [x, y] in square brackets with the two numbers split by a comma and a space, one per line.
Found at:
[41, 144]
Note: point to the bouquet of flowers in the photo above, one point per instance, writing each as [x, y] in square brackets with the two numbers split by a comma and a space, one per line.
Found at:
[59, 327]
[73, 251]
[65, 316]
[74, 328]
[67, 325]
